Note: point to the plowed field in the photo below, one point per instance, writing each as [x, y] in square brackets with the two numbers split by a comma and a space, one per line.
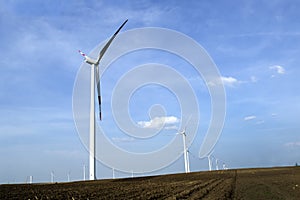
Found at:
[269, 183]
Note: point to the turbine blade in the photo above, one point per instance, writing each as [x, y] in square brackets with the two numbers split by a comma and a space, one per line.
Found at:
[83, 54]
[187, 122]
[109, 42]
[98, 90]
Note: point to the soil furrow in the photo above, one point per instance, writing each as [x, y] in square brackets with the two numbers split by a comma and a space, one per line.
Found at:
[269, 183]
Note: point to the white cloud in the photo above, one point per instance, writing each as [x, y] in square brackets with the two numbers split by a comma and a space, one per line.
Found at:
[251, 117]
[279, 69]
[158, 122]
[229, 81]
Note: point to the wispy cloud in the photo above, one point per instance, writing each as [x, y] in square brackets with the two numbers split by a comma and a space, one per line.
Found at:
[260, 122]
[253, 79]
[251, 117]
[274, 115]
[168, 122]
[279, 69]
[292, 144]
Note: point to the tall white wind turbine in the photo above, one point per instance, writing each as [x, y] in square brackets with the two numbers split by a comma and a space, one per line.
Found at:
[95, 75]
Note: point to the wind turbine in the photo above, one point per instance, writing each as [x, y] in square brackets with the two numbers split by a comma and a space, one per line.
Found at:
[209, 161]
[185, 152]
[185, 149]
[95, 74]
[224, 166]
[113, 173]
[52, 177]
[217, 166]
[68, 176]
[30, 179]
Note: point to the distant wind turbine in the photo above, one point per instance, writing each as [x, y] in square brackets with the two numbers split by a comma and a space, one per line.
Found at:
[30, 179]
[95, 74]
[68, 176]
[209, 160]
[185, 152]
[185, 149]
[217, 166]
[52, 177]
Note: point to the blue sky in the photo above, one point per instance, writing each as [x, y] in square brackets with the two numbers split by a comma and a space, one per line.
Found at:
[255, 44]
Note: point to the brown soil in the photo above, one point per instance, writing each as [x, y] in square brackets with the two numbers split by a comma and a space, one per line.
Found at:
[269, 183]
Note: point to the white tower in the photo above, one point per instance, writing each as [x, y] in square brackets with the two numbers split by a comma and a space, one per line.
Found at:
[84, 172]
[209, 162]
[92, 149]
[52, 177]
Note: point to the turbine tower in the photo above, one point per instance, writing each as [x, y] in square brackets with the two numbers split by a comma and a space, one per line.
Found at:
[209, 162]
[113, 173]
[52, 177]
[84, 172]
[95, 75]
[68, 176]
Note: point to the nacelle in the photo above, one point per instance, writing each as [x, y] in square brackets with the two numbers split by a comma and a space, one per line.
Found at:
[90, 60]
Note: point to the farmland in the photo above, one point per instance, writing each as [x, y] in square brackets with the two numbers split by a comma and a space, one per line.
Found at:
[265, 183]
